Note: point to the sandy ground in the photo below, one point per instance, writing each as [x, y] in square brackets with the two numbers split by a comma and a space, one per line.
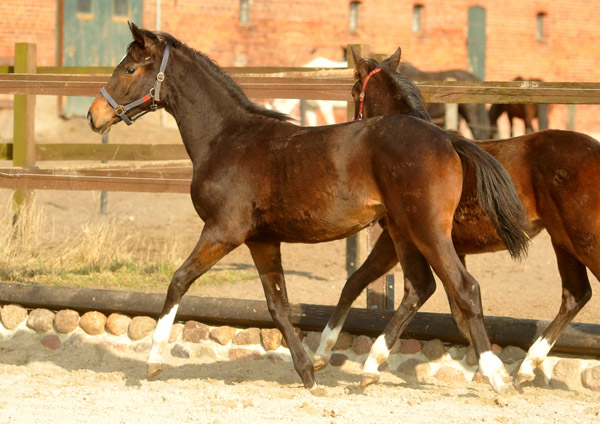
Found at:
[39, 385]
[91, 385]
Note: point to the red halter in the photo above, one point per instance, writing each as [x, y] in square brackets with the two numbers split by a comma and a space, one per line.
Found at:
[362, 94]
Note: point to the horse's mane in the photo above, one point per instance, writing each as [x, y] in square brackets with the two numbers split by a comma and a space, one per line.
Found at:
[216, 72]
[407, 92]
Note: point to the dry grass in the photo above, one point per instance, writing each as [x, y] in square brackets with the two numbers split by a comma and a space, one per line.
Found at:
[105, 254]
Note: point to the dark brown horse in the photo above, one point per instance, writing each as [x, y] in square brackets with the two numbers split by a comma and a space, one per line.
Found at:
[557, 175]
[260, 180]
[475, 115]
[526, 112]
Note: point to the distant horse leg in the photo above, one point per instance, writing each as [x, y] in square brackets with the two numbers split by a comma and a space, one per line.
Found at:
[471, 114]
[576, 293]
[510, 124]
[495, 111]
[202, 258]
[267, 258]
[419, 285]
[528, 118]
[382, 258]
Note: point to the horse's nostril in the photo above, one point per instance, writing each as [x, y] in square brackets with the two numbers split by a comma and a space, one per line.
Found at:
[89, 119]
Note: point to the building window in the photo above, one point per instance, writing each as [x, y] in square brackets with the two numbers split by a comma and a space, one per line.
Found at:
[417, 19]
[245, 12]
[121, 8]
[84, 6]
[540, 31]
[354, 8]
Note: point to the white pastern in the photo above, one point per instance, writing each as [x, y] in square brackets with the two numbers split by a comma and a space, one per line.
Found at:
[328, 339]
[377, 356]
[160, 337]
[492, 368]
[535, 356]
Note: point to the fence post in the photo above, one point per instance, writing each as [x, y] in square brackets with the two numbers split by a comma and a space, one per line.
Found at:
[451, 114]
[24, 117]
[571, 113]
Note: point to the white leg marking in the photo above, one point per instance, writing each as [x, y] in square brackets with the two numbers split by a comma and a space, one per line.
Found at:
[492, 368]
[377, 356]
[535, 356]
[328, 339]
[160, 337]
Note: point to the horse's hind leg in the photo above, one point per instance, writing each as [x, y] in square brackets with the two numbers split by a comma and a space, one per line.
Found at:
[267, 258]
[461, 288]
[419, 285]
[576, 293]
[381, 259]
[464, 290]
[202, 258]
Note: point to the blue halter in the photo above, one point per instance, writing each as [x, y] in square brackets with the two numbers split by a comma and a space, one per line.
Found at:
[153, 95]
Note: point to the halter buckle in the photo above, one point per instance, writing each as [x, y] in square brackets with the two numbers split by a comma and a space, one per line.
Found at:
[160, 77]
[120, 110]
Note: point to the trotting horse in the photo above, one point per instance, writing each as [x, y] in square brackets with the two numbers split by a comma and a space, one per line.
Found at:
[260, 180]
[557, 175]
[475, 115]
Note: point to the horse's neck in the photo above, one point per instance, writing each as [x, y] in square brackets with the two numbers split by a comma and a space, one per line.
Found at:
[201, 107]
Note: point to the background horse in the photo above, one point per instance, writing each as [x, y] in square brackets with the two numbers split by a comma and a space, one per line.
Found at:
[260, 180]
[557, 175]
[526, 112]
[475, 115]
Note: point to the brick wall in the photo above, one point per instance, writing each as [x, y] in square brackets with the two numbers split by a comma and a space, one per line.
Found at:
[32, 21]
[291, 33]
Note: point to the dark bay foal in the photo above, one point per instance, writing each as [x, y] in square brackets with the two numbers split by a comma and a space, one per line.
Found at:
[260, 180]
[557, 176]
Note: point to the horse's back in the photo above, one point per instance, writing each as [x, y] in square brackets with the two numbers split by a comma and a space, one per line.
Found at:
[324, 183]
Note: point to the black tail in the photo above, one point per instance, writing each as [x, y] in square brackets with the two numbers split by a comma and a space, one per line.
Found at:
[497, 196]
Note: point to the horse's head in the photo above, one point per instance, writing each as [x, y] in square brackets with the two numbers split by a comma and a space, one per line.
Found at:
[134, 87]
[380, 89]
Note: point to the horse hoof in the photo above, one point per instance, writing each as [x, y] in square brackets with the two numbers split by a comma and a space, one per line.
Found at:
[317, 390]
[522, 379]
[508, 390]
[319, 362]
[154, 369]
[368, 379]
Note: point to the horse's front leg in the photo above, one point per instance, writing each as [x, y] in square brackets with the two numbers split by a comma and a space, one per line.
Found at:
[211, 247]
[267, 258]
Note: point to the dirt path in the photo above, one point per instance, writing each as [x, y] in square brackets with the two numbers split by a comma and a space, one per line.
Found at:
[91, 385]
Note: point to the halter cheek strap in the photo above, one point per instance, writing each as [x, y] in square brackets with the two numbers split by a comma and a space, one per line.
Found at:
[153, 95]
[361, 98]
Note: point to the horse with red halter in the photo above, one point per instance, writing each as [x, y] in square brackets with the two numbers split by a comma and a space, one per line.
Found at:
[260, 180]
[557, 175]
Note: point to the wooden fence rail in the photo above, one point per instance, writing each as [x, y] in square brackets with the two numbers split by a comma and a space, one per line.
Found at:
[323, 85]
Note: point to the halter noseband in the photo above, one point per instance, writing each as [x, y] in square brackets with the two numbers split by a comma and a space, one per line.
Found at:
[153, 95]
[362, 94]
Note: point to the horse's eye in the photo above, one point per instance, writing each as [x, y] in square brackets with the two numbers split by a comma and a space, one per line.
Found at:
[129, 70]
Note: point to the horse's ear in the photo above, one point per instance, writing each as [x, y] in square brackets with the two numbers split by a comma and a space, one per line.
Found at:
[394, 60]
[359, 64]
[145, 39]
[137, 34]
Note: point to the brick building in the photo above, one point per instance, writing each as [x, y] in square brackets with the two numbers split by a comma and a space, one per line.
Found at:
[555, 40]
